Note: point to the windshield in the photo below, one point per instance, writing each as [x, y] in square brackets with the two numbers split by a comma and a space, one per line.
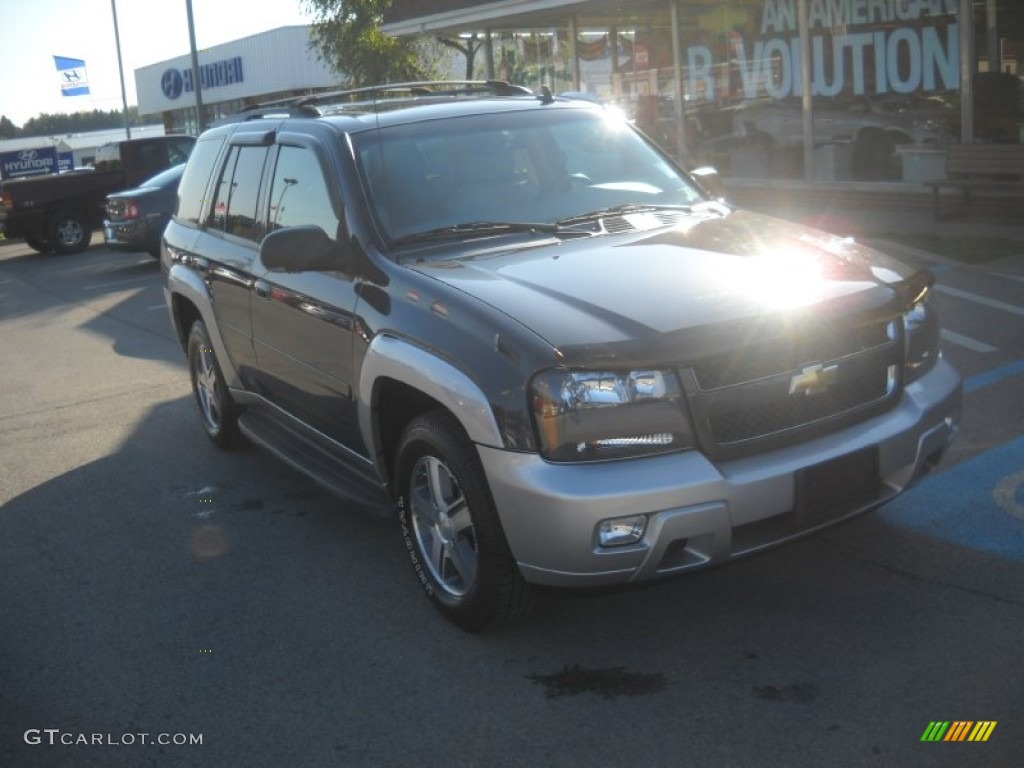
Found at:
[537, 166]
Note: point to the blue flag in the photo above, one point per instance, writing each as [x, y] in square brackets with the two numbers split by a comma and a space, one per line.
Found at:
[73, 80]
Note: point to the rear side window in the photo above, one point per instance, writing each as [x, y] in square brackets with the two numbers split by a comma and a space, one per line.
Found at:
[234, 204]
[192, 190]
[151, 155]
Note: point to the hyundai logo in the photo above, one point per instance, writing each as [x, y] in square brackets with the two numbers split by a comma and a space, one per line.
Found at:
[171, 84]
[28, 155]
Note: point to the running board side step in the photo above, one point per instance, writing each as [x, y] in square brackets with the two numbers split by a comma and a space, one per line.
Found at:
[317, 458]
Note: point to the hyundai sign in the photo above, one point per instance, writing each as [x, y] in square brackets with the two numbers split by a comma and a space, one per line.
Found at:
[32, 162]
[174, 82]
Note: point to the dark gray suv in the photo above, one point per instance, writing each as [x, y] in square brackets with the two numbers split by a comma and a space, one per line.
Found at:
[516, 325]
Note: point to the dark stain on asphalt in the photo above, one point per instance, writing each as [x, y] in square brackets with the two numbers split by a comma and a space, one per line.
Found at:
[303, 495]
[608, 683]
[247, 505]
[798, 693]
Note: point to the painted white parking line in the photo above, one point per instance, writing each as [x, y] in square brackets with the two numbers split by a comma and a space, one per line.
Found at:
[966, 341]
[1004, 306]
[1001, 276]
[155, 307]
[116, 283]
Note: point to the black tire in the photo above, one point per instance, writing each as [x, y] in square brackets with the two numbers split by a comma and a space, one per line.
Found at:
[459, 553]
[40, 246]
[217, 411]
[69, 232]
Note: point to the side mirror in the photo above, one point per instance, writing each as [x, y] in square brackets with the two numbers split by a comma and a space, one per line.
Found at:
[301, 249]
[709, 180]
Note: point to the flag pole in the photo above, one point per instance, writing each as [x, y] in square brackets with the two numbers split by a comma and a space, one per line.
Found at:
[120, 71]
[196, 84]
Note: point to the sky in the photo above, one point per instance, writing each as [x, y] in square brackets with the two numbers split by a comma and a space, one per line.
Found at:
[32, 32]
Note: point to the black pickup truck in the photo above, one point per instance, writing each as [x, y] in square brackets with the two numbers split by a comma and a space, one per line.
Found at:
[59, 212]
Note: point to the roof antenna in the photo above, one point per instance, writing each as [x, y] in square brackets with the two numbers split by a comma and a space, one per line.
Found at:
[545, 95]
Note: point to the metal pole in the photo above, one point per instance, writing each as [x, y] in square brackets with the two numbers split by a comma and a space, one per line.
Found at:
[805, 83]
[489, 54]
[196, 84]
[678, 91]
[574, 53]
[966, 30]
[120, 72]
[995, 61]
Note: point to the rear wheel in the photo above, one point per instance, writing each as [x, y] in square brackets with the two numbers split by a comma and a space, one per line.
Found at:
[69, 232]
[218, 411]
[451, 529]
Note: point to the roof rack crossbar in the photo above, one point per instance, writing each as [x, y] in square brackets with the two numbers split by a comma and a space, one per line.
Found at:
[305, 105]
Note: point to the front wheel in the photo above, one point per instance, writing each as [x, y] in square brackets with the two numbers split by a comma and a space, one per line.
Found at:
[217, 409]
[451, 529]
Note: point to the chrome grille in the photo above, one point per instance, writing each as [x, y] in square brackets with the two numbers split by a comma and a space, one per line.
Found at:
[733, 425]
[752, 363]
[748, 401]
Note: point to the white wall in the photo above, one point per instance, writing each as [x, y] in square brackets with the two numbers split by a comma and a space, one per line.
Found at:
[277, 60]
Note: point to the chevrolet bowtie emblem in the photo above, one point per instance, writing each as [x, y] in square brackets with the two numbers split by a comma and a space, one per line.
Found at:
[814, 379]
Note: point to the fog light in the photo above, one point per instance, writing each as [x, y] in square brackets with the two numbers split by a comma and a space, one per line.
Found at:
[621, 531]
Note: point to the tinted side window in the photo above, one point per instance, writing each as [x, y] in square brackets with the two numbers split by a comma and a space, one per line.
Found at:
[193, 185]
[151, 155]
[219, 211]
[245, 189]
[299, 193]
[234, 200]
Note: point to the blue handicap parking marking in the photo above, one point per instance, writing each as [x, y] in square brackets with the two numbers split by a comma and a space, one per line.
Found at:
[977, 504]
[1009, 371]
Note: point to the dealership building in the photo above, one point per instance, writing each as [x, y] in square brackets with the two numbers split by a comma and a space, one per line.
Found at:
[865, 92]
[868, 91]
[845, 91]
[270, 65]
[262, 67]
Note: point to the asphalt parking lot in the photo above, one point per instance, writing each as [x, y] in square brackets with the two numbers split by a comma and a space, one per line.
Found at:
[155, 590]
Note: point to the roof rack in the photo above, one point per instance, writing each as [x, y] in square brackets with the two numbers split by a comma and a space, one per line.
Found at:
[422, 88]
[306, 105]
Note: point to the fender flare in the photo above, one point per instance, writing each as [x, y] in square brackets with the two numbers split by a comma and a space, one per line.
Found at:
[187, 284]
[394, 358]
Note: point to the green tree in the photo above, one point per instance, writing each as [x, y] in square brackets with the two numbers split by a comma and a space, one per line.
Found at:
[468, 47]
[346, 36]
[77, 122]
[8, 130]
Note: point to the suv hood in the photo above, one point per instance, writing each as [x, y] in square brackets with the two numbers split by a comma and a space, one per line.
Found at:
[717, 270]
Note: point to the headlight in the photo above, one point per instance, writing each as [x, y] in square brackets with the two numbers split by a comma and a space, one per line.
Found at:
[595, 415]
[921, 327]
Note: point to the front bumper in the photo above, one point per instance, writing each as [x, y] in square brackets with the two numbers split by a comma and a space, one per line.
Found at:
[702, 513]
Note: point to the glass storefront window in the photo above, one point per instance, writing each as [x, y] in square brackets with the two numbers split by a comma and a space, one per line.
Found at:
[884, 80]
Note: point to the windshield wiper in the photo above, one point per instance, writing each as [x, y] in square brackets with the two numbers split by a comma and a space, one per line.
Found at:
[617, 210]
[477, 229]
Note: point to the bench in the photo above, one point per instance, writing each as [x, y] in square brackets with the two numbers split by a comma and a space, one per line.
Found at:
[999, 167]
